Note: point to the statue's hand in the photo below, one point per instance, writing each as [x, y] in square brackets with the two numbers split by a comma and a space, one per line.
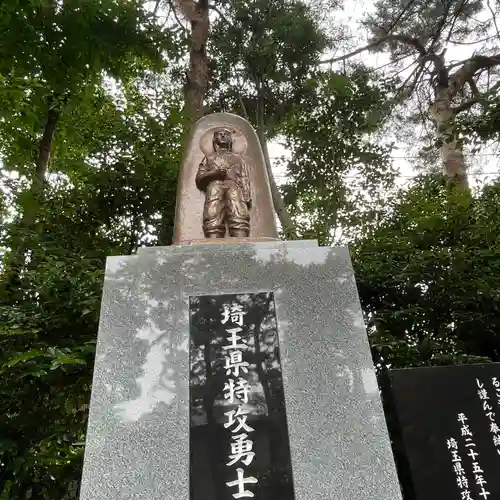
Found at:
[217, 175]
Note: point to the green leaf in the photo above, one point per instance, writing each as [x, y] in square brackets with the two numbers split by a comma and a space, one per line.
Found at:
[26, 356]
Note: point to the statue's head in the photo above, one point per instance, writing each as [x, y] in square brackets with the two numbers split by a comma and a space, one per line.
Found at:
[222, 139]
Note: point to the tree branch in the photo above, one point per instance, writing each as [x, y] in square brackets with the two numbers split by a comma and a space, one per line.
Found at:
[400, 15]
[385, 39]
[243, 108]
[177, 17]
[473, 88]
[439, 65]
[468, 70]
[215, 9]
[353, 53]
[464, 106]
[399, 59]
[473, 42]
[402, 70]
[414, 42]
[442, 24]
[415, 74]
[157, 6]
[455, 17]
[494, 17]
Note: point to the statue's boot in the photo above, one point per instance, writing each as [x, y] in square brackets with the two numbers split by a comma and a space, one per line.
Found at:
[239, 233]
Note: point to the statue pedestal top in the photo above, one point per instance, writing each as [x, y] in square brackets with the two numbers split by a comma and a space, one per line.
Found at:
[226, 241]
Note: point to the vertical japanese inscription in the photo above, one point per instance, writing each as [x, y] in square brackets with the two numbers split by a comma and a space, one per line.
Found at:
[239, 438]
[488, 405]
[469, 444]
[236, 391]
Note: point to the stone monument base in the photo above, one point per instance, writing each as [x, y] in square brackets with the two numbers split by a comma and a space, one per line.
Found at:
[149, 375]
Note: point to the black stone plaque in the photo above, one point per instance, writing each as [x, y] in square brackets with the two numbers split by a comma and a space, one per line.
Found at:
[239, 444]
[449, 418]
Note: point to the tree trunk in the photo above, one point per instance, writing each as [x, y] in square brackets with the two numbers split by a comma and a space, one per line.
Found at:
[279, 205]
[42, 165]
[197, 75]
[454, 167]
[166, 232]
[15, 260]
[195, 88]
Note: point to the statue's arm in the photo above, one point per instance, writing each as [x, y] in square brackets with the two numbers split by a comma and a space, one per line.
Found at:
[207, 174]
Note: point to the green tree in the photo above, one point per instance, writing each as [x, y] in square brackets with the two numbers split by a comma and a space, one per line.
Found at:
[339, 173]
[263, 54]
[481, 126]
[428, 277]
[53, 56]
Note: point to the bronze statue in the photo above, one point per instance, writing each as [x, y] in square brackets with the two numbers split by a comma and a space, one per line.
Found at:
[229, 193]
[223, 176]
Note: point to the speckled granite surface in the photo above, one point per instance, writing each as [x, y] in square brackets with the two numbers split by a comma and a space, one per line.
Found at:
[138, 434]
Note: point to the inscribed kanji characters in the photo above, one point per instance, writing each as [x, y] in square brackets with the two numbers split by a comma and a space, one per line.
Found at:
[240, 483]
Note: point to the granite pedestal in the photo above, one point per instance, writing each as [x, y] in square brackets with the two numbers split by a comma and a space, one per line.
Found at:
[139, 426]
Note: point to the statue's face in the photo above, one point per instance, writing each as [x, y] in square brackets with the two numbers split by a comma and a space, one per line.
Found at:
[222, 138]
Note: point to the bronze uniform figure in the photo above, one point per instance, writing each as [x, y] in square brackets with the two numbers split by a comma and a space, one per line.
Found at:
[223, 176]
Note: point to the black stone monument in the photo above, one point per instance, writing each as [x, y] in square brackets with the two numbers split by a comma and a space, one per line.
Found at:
[449, 419]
